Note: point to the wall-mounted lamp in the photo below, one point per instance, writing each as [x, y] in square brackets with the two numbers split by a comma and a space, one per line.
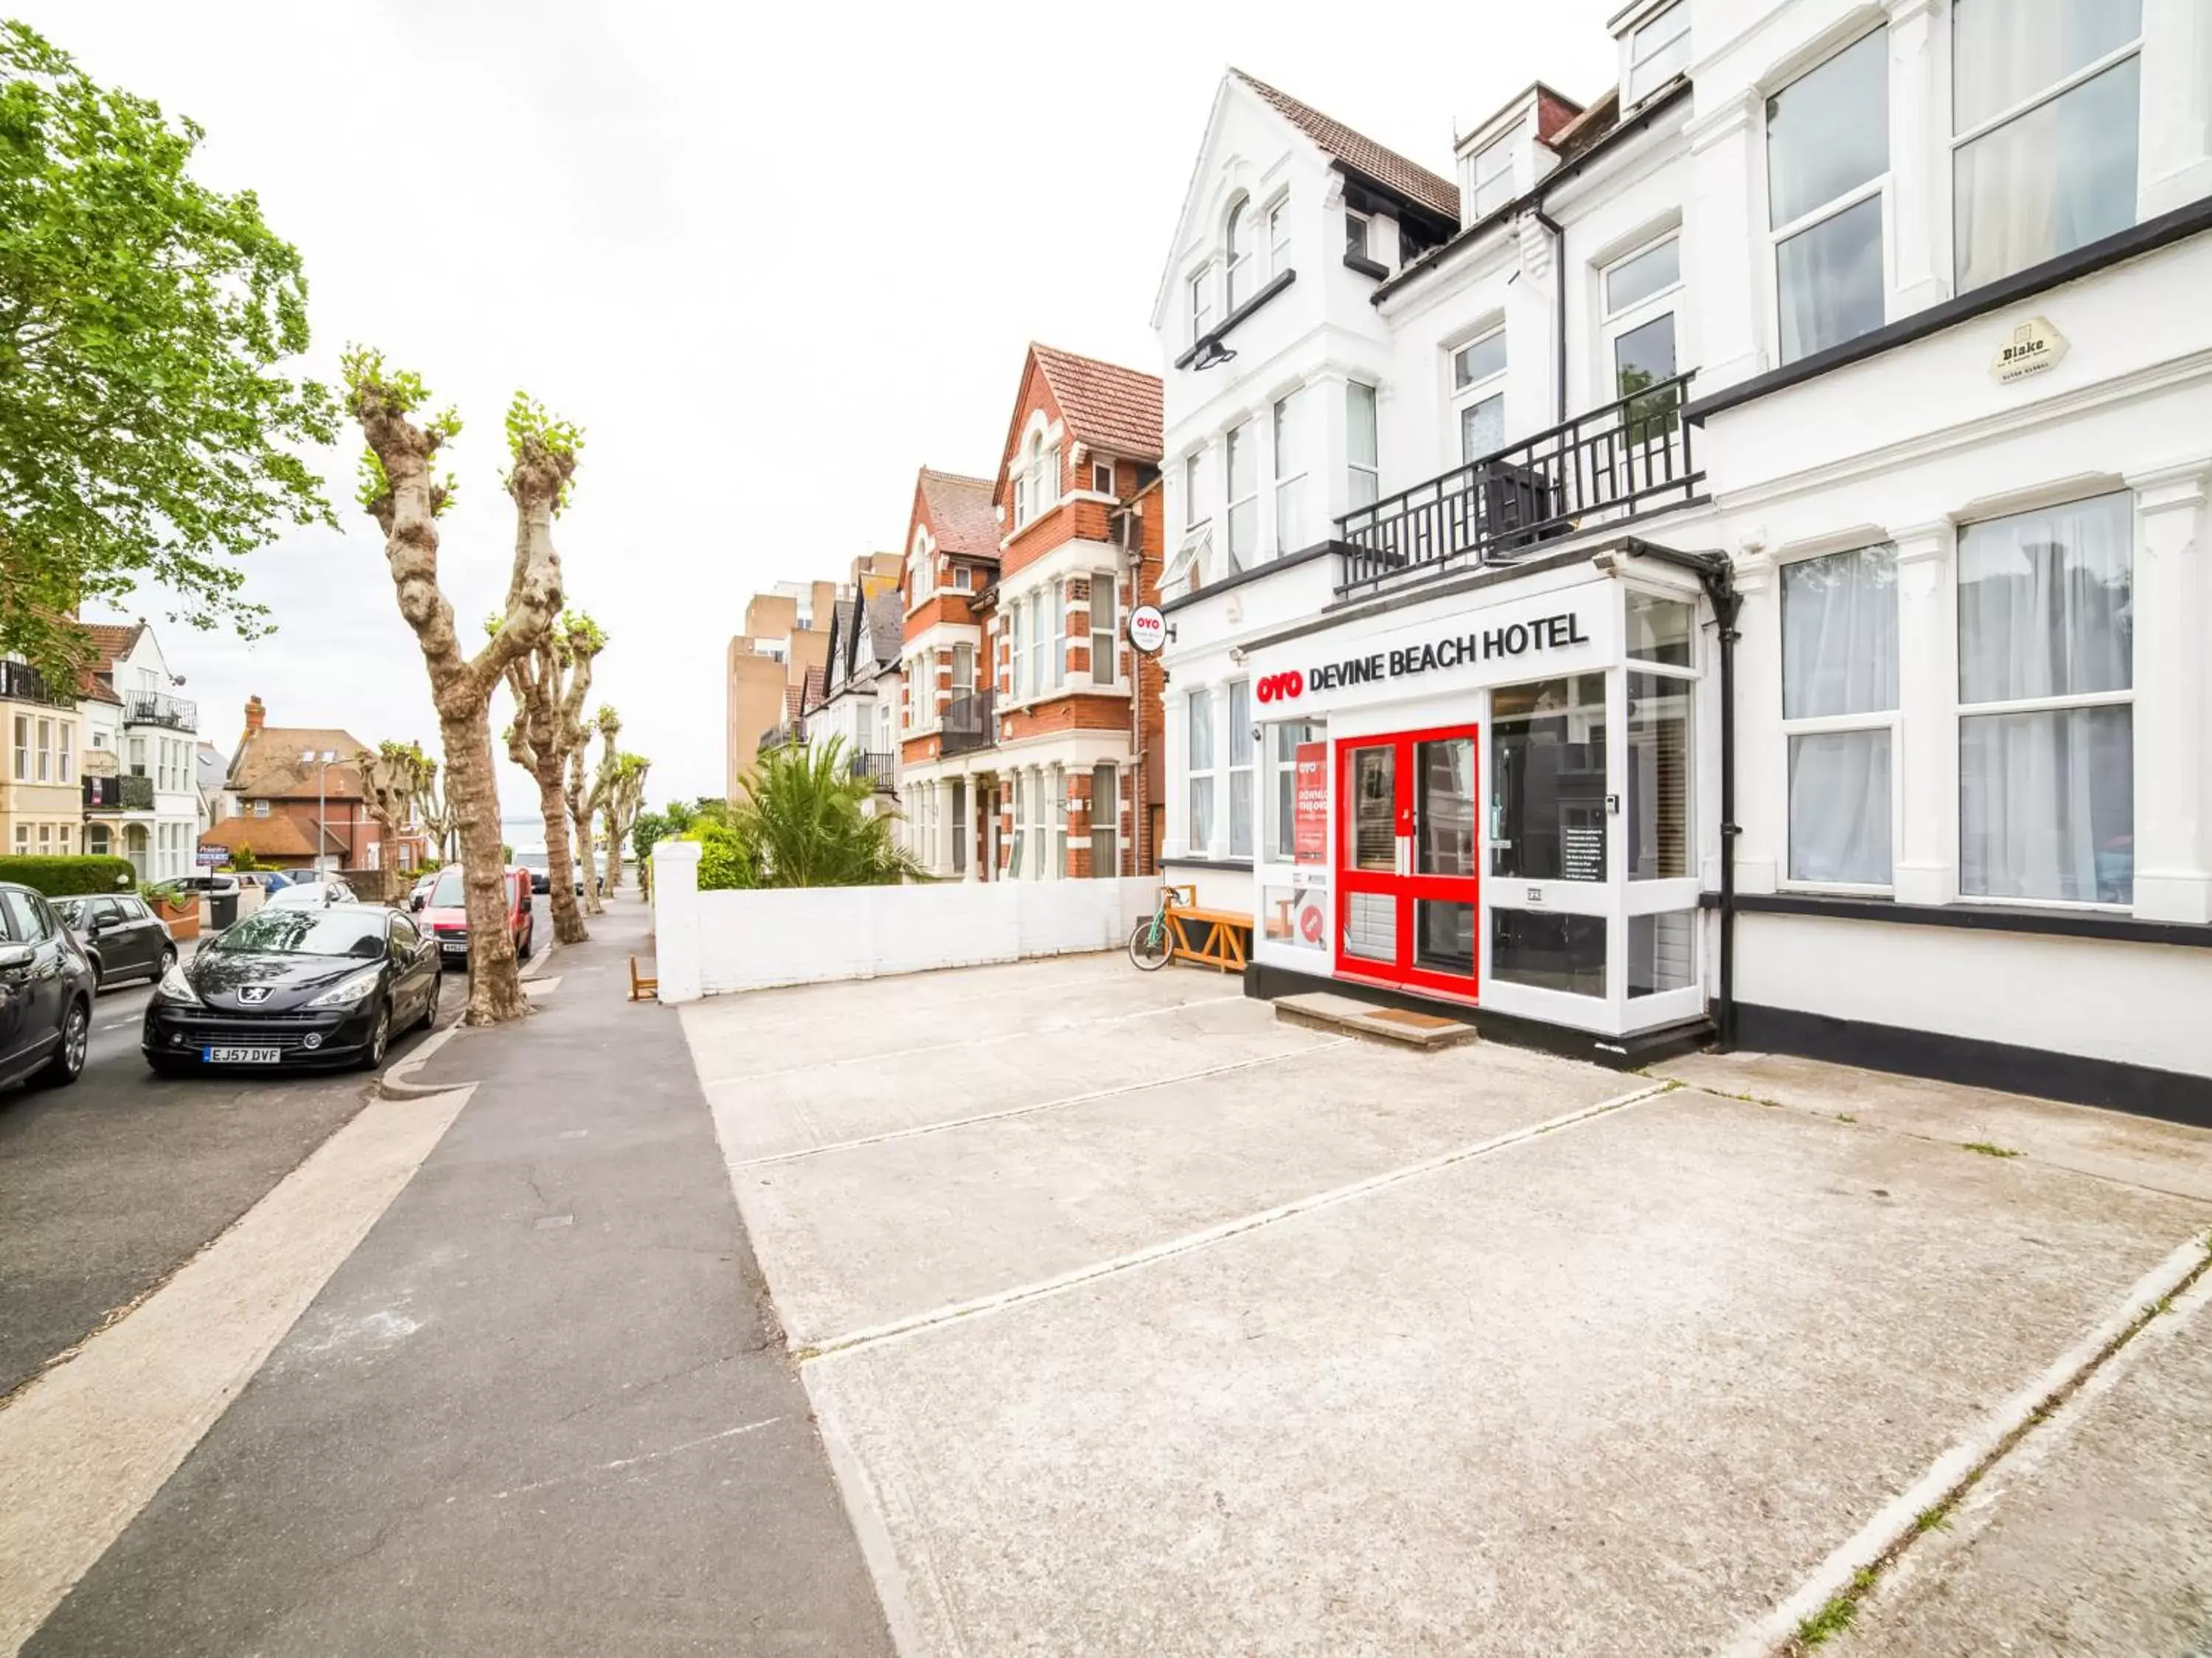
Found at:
[1211, 353]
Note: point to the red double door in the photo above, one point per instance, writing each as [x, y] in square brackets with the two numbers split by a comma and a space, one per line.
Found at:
[1408, 859]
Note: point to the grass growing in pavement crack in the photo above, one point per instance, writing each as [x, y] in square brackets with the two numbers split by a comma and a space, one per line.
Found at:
[1845, 1117]
[1988, 1151]
[1835, 1618]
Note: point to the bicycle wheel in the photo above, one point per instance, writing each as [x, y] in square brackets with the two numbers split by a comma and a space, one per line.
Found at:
[1148, 944]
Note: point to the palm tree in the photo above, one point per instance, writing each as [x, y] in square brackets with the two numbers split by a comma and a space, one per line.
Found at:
[801, 821]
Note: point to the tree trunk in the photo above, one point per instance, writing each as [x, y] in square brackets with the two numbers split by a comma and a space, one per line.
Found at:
[560, 868]
[614, 853]
[495, 992]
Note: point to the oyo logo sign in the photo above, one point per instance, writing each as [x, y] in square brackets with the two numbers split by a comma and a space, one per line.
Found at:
[1281, 687]
[1148, 629]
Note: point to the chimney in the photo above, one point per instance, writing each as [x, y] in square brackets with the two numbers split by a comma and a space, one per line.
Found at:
[256, 715]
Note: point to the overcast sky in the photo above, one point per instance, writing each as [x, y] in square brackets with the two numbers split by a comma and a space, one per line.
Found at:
[772, 258]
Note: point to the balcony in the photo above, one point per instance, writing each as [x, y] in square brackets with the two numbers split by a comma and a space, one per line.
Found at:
[128, 793]
[1623, 460]
[19, 682]
[970, 722]
[783, 735]
[152, 708]
[881, 769]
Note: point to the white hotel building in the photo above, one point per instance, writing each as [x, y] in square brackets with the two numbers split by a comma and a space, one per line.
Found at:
[1732, 565]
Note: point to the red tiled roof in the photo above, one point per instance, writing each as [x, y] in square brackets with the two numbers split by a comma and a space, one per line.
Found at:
[960, 508]
[270, 837]
[267, 765]
[794, 702]
[1106, 406]
[1363, 154]
[111, 640]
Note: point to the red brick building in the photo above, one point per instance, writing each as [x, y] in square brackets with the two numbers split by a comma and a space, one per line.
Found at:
[295, 812]
[1030, 729]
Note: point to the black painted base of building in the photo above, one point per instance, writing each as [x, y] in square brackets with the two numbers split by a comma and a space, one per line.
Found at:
[2169, 1096]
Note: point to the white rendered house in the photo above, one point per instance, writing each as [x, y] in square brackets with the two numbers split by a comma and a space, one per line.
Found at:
[141, 763]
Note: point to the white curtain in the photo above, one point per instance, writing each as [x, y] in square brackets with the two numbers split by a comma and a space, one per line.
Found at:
[2046, 602]
[1840, 634]
[2046, 804]
[1829, 281]
[1839, 811]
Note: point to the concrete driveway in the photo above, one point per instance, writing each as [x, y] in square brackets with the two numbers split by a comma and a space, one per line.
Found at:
[1140, 1323]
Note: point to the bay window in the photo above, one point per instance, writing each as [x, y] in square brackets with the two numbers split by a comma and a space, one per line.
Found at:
[1105, 822]
[1060, 822]
[2045, 101]
[2046, 678]
[1839, 695]
[1827, 163]
[1016, 663]
[1243, 469]
[1040, 642]
[1059, 599]
[1294, 527]
[1479, 395]
[1039, 815]
[22, 748]
[1103, 639]
[1363, 458]
[1241, 754]
[1199, 712]
[1014, 850]
[46, 751]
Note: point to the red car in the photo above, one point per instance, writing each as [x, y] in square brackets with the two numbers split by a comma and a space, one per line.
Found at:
[445, 916]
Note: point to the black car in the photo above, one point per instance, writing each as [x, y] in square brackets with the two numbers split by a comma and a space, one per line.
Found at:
[124, 938]
[45, 992]
[295, 986]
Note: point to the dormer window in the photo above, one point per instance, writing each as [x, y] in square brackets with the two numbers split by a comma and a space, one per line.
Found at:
[1490, 176]
[1236, 251]
[1658, 51]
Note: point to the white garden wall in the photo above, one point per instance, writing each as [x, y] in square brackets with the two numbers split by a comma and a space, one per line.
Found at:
[712, 943]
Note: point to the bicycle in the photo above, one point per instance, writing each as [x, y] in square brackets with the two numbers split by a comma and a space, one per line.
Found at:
[1152, 941]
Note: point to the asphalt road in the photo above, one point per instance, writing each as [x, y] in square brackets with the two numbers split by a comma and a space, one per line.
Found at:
[107, 1187]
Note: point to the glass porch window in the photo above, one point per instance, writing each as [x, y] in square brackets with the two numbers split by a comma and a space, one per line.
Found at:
[1547, 780]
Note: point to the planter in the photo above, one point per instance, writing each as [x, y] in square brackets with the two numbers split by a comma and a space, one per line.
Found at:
[181, 918]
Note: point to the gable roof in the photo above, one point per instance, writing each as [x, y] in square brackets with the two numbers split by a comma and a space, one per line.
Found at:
[1106, 406]
[1362, 154]
[111, 640]
[841, 632]
[267, 765]
[960, 513]
[276, 836]
[886, 631]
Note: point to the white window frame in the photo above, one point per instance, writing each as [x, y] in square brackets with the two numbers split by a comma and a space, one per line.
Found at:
[1638, 80]
[1237, 440]
[1040, 824]
[1198, 287]
[1194, 489]
[1477, 391]
[1099, 486]
[1364, 248]
[1058, 595]
[963, 685]
[1277, 219]
[1664, 302]
[1814, 218]
[1236, 696]
[1967, 710]
[1110, 818]
[1038, 639]
[1237, 255]
[920, 582]
[1198, 708]
[46, 751]
[1284, 418]
[1487, 167]
[1105, 621]
[67, 753]
[2056, 89]
[1354, 469]
[1059, 829]
[1890, 720]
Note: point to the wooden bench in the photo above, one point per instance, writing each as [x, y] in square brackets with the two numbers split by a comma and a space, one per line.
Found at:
[641, 986]
[1223, 938]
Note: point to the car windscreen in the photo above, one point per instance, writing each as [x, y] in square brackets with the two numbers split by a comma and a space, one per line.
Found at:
[74, 910]
[306, 932]
[446, 894]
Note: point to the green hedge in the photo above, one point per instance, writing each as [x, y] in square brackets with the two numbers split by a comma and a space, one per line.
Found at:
[59, 877]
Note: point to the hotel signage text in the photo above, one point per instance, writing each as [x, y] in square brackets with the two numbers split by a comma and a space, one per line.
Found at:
[1476, 645]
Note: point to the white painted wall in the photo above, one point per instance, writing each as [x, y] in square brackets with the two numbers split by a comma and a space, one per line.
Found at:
[714, 943]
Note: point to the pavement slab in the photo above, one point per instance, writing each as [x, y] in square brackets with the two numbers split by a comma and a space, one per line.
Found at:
[2093, 1540]
[543, 1410]
[861, 1236]
[1615, 1390]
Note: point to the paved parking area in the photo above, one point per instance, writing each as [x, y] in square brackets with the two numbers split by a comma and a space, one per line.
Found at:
[1138, 1322]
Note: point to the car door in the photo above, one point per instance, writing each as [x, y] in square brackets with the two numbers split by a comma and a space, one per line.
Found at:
[148, 936]
[38, 988]
[116, 939]
[415, 970]
[15, 994]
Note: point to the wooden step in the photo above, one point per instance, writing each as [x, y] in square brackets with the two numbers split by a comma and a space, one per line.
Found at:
[1325, 1010]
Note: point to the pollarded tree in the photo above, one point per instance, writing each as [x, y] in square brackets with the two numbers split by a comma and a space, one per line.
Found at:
[146, 436]
[392, 777]
[625, 800]
[404, 495]
[430, 806]
[598, 799]
[549, 685]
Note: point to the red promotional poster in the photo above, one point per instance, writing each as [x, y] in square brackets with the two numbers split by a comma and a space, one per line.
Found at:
[1310, 804]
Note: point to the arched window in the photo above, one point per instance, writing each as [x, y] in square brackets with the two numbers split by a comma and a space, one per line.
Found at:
[1037, 487]
[918, 584]
[1237, 248]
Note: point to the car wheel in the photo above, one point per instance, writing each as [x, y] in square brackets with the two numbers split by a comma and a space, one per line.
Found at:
[430, 1002]
[68, 1063]
[380, 1037]
[529, 943]
[168, 961]
[98, 972]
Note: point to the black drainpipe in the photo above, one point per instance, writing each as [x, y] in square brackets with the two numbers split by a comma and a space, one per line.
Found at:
[1559, 322]
[1717, 576]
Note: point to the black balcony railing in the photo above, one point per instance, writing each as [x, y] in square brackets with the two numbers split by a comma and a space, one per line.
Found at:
[21, 682]
[970, 722]
[153, 708]
[127, 792]
[1626, 460]
[881, 769]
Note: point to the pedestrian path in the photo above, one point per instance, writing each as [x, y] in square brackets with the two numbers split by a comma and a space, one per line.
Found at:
[543, 1409]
